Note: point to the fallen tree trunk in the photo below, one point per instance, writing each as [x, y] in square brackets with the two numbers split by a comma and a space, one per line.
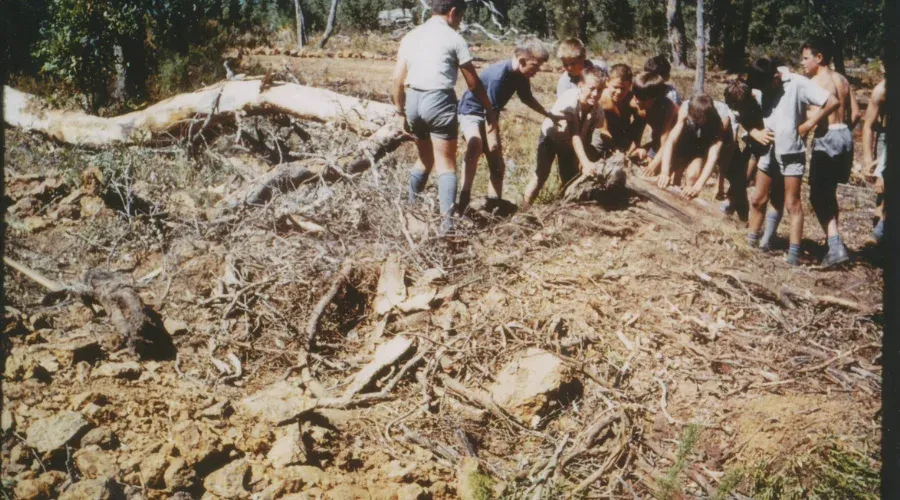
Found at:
[190, 113]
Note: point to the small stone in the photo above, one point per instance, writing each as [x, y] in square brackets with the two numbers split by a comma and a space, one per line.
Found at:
[278, 403]
[152, 470]
[525, 385]
[175, 326]
[94, 463]
[217, 411]
[286, 451]
[396, 470]
[7, 422]
[40, 487]
[228, 482]
[101, 436]
[195, 442]
[412, 491]
[178, 475]
[89, 489]
[128, 370]
[52, 433]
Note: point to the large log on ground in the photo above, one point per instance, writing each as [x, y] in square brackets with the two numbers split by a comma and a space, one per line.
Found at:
[192, 111]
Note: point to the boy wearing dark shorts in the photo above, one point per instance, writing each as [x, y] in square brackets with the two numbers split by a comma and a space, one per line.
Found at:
[429, 60]
[832, 156]
[567, 141]
[502, 80]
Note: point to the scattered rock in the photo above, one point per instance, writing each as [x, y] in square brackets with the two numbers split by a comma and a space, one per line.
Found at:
[344, 491]
[217, 411]
[279, 403]
[412, 491]
[194, 441]
[102, 437]
[178, 475]
[130, 370]
[391, 286]
[41, 487]
[229, 481]
[152, 470]
[52, 433]
[286, 451]
[300, 477]
[7, 422]
[95, 463]
[175, 326]
[525, 385]
[396, 470]
[89, 489]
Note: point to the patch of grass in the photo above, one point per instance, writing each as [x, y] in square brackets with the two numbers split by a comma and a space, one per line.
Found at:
[670, 486]
[830, 470]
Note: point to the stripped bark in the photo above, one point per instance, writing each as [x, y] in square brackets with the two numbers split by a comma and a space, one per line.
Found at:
[184, 113]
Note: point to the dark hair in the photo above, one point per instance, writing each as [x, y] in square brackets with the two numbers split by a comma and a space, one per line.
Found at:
[739, 97]
[761, 72]
[818, 47]
[443, 7]
[621, 71]
[659, 65]
[649, 85]
[702, 111]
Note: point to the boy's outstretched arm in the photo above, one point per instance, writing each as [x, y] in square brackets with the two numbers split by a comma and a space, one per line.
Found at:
[656, 162]
[398, 89]
[712, 157]
[855, 113]
[829, 107]
[668, 150]
[533, 103]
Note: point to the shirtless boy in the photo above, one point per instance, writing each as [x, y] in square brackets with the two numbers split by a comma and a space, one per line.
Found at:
[652, 107]
[618, 132]
[875, 153]
[832, 156]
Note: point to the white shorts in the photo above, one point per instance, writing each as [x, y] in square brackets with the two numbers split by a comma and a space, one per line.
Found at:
[472, 126]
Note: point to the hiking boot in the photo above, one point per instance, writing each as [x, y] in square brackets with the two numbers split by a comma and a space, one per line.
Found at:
[835, 256]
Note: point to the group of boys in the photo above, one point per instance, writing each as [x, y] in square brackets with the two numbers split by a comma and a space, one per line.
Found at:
[602, 109]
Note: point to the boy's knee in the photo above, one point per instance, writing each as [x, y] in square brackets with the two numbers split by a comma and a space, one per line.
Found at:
[793, 205]
[759, 201]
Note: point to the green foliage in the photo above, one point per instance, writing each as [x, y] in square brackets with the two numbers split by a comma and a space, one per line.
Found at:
[670, 486]
[830, 470]
[361, 15]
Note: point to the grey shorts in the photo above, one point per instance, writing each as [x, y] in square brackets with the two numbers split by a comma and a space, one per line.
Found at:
[788, 165]
[833, 152]
[881, 151]
[432, 113]
[472, 126]
[566, 160]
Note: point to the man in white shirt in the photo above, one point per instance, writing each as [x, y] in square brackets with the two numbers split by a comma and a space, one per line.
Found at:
[428, 62]
[785, 100]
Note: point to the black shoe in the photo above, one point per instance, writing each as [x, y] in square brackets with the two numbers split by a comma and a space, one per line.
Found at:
[835, 256]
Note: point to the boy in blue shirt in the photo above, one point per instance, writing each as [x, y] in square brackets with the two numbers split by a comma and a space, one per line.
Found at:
[502, 80]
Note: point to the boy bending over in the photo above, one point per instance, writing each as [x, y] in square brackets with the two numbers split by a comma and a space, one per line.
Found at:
[502, 80]
[566, 140]
[428, 62]
[618, 132]
[652, 107]
[746, 112]
[693, 148]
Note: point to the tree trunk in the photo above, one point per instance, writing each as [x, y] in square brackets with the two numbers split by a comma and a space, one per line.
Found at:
[329, 28]
[701, 50]
[301, 25]
[675, 27]
[189, 114]
[838, 55]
